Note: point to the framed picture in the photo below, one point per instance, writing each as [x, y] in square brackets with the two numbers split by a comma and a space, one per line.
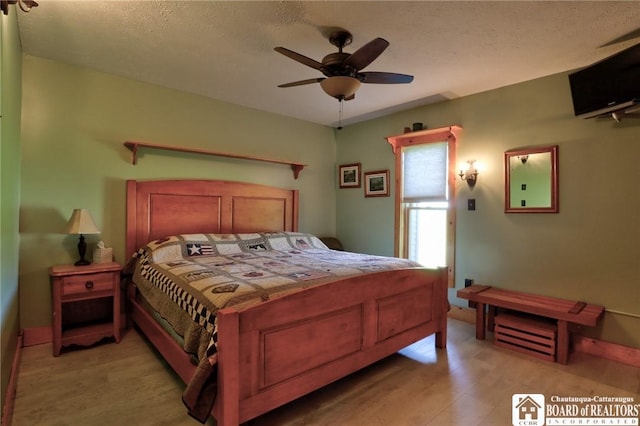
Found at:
[349, 175]
[376, 184]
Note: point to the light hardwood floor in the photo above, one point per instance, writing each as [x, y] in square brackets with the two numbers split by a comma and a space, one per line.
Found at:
[469, 383]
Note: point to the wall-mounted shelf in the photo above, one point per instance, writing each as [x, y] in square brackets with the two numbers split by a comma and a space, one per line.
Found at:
[133, 146]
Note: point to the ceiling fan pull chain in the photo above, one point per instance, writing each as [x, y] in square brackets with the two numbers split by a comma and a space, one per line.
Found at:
[340, 114]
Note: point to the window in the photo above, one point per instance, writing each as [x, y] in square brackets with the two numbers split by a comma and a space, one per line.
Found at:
[427, 233]
[425, 197]
[424, 202]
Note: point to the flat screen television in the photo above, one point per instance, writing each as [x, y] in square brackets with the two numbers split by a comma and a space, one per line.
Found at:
[610, 85]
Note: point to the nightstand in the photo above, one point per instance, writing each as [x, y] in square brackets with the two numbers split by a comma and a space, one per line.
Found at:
[86, 304]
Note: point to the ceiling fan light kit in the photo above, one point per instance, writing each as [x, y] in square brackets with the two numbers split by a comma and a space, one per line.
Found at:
[340, 87]
[342, 70]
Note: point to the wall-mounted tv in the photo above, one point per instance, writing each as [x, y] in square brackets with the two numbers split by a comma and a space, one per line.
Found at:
[610, 85]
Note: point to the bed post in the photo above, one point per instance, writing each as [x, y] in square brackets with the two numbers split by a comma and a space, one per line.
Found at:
[228, 399]
[131, 237]
[295, 207]
[442, 304]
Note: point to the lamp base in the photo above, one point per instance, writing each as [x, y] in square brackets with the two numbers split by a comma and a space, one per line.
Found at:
[82, 249]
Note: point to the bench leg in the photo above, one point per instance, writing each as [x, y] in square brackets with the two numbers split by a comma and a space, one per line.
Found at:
[480, 323]
[563, 342]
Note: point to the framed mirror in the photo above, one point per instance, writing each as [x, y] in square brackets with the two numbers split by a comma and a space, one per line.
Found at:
[531, 180]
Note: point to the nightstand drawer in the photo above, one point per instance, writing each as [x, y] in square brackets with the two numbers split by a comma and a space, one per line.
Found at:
[76, 284]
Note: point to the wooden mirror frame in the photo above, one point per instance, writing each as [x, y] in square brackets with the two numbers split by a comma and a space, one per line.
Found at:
[554, 207]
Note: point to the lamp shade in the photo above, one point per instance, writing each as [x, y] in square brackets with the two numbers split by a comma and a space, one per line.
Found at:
[81, 222]
[340, 87]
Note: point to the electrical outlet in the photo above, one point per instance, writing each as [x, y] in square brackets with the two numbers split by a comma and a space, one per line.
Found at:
[468, 282]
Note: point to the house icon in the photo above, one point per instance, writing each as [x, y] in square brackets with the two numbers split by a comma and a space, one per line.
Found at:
[528, 408]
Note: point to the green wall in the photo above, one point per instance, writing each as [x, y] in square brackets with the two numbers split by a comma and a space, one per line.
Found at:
[73, 157]
[10, 87]
[589, 251]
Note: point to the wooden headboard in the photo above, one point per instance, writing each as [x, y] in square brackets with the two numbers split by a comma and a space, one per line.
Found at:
[156, 209]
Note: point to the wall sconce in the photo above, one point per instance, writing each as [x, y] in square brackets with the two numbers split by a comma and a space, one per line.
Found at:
[25, 5]
[523, 158]
[470, 175]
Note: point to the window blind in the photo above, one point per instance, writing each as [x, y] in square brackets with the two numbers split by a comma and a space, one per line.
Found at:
[419, 162]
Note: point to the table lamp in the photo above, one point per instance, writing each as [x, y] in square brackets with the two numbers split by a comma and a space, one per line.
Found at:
[81, 223]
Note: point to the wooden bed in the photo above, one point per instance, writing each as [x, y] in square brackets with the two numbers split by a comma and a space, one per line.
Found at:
[276, 351]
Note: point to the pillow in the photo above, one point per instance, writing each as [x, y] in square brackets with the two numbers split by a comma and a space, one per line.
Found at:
[185, 246]
[165, 250]
[294, 240]
[226, 244]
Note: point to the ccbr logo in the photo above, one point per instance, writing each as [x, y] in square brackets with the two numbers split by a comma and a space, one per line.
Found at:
[527, 409]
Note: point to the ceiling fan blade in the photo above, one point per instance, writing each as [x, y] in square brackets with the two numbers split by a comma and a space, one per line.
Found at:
[384, 77]
[298, 57]
[302, 82]
[368, 53]
[625, 37]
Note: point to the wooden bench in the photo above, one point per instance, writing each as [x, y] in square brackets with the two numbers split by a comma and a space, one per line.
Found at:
[565, 312]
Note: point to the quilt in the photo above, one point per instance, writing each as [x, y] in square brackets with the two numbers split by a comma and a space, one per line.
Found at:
[198, 274]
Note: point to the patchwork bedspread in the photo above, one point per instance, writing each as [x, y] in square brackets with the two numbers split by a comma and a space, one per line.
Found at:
[198, 274]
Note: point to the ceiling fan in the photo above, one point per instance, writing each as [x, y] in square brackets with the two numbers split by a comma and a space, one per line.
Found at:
[25, 5]
[342, 70]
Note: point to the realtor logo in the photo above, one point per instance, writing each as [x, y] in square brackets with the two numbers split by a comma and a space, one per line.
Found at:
[527, 409]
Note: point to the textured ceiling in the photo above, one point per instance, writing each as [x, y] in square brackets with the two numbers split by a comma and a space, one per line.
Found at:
[224, 49]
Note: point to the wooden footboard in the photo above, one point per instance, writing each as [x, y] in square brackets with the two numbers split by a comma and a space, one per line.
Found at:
[275, 352]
